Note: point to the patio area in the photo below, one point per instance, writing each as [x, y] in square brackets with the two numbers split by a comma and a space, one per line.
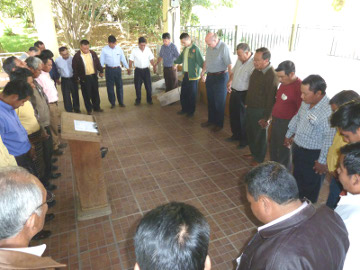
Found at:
[155, 156]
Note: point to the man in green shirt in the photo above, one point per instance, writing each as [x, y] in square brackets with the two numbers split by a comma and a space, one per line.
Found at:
[192, 61]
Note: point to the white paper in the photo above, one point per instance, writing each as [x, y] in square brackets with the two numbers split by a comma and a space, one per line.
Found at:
[85, 126]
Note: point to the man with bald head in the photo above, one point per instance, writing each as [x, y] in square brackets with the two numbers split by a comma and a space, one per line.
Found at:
[23, 205]
[217, 65]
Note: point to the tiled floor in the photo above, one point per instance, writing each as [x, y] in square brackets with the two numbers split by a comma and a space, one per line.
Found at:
[155, 156]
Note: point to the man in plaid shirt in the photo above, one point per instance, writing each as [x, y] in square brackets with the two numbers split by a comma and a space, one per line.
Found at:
[311, 136]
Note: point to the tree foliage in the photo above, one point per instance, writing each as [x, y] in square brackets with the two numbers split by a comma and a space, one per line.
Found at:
[17, 8]
[338, 4]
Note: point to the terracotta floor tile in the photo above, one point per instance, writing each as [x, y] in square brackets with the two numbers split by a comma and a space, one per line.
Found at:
[153, 156]
[182, 162]
[151, 199]
[213, 168]
[124, 207]
[203, 186]
[203, 157]
[222, 153]
[226, 180]
[136, 172]
[131, 161]
[241, 239]
[222, 254]
[191, 173]
[143, 184]
[168, 179]
[216, 202]
[125, 227]
[179, 192]
[127, 254]
[159, 167]
[95, 236]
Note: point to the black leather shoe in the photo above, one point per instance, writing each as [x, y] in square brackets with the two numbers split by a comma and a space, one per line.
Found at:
[51, 187]
[122, 105]
[137, 103]
[77, 111]
[206, 124]
[42, 235]
[62, 145]
[231, 139]
[99, 110]
[55, 175]
[49, 217]
[112, 106]
[189, 115]
[58, 152]
[103, 151]
[51, 204]
[180, 112]
[53, 160]
[150, 102]
[54, 168]
[89, 113]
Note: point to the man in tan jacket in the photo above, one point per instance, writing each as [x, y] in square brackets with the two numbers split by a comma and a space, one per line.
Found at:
[23, 205]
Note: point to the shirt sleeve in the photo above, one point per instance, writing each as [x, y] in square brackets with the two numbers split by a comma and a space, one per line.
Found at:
[226, 58]
[293, 125]
[328, 138]
[179, 60]
[151, 56]
[270, 90]
[175, 51]
[199, 58]
[132, 56]
[161, 53]
[102, 57]
[123, 59]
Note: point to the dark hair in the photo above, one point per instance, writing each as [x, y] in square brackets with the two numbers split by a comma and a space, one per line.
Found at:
[142, 40]
[44, 58]
[9, 64]
[347, 117]
[172, 236]
[20, 74]
[243, 46]
[38, 43]
[272, 180]
[84, 42]
[184, 36]
[166, 36]
[316, 83]
[35, 49]
[18, 87]
[111, 39]
[286, 66]
[266, 54]
[351, 154]
[343, 97]
[46, 54]
[63, 48]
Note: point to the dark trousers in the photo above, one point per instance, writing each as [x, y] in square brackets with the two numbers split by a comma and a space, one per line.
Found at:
[142, 75]
[237, 115]
[171, 79]
[70, 89]
[90, 92]
[309, 183]
[188, 94]
[279, 152]
[113, 76]
[47, 152]
[334, 193]
[216, 96]
[256, 135]
[26, 162]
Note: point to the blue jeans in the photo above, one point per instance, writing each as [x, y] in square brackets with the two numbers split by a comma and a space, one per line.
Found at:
[216, 96]
[188, 94]
[113, 75]
[334, 193]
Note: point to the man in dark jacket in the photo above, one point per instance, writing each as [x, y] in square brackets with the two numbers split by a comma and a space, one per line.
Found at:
[295, 234]
[85, 66]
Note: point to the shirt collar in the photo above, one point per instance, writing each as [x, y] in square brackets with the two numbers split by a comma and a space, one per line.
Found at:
[85, 53]
[218, 45]
[6, 106]
[349, 199]
[266, 69]
[320, 103]
[285, 217]
[35, 250]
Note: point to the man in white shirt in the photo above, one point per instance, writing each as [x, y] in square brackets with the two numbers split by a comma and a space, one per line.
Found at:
[238, 85]
[112, 56]
[349, 206]
[142, 57]
[69, 87]
[296, 235]
[23, 204]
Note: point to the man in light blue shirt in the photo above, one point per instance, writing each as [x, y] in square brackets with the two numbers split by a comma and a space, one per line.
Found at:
[69, 87]
[112, 56]
[311, 135]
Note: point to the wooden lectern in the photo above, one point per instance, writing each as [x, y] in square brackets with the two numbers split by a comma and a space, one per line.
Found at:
[91, 199]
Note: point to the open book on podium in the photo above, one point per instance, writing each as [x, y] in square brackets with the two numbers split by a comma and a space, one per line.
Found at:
[84, 141]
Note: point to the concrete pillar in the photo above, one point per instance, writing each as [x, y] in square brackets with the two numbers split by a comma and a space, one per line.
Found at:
[45, 26]
[171, 21]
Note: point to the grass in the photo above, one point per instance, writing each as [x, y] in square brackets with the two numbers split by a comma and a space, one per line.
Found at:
[17, 43]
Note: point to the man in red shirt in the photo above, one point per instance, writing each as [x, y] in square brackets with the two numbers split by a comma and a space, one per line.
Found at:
[288, 101]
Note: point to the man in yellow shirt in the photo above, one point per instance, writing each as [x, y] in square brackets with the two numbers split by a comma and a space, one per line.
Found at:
[334, 150]
[5, 158]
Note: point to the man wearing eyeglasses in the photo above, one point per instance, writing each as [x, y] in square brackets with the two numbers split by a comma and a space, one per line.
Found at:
[23, 205]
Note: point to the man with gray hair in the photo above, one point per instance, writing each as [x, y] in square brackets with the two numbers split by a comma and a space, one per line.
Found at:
[238, 85]
[23, 205]
[296, 235]
[218, 67]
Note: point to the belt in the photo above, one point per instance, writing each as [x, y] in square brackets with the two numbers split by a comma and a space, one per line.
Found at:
[168, 67]
[141, 68]
[53, 102]
[67, 78]
[238, 90]
[112, 67]
[217, 73]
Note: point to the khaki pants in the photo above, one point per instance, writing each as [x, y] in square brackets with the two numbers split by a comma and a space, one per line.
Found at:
[54, 124]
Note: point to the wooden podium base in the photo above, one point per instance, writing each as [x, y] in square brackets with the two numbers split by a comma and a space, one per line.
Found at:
[90, 214]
